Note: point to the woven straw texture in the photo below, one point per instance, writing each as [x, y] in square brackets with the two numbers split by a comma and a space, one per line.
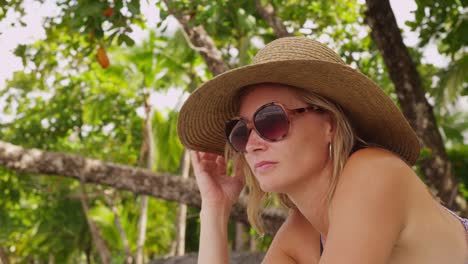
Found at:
[304, 63]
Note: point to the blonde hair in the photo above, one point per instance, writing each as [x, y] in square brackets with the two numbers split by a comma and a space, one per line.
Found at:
[344, 143]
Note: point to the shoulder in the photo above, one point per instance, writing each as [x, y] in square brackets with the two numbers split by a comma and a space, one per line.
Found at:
[374, 166]
[373, 171]
[372, 193]
[366, 156]
[374, 183]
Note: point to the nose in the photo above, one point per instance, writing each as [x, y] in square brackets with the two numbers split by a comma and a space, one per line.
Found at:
[255, 142]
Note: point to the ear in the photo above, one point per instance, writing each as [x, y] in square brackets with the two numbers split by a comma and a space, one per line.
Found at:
[330, 126]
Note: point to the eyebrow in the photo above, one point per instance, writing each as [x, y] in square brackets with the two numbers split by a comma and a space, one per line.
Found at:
[274, 101]
[243, 117]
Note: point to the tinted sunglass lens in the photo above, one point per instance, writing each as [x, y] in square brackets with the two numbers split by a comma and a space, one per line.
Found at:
[238, 135]
[271, 122]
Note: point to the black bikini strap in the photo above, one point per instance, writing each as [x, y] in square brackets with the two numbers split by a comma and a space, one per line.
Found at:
[321, 246]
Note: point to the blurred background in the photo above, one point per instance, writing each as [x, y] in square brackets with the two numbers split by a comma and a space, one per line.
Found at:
[91, 169]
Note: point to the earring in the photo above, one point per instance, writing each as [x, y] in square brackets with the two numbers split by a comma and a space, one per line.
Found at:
[330, 150]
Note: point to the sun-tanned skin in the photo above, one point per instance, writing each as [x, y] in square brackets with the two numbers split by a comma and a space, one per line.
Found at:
[381, 211]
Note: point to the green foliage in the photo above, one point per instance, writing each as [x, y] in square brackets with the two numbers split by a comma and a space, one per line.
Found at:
[458, 156]
[161, 228]
[459, 159]
[16, 5]
[169, 149]
[91, 112]
[192, 231]
[98, 20]
[445, 21]
[41, 217]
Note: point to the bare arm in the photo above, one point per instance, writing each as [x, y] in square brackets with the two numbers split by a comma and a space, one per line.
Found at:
[218, 193]
[213, 234]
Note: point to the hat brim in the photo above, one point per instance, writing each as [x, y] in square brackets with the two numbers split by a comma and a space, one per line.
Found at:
[374, 116]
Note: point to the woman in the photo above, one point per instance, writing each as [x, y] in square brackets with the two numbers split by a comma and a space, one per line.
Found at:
[300, 123]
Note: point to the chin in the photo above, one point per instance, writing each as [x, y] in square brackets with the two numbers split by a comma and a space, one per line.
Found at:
[271, 186]
[278, 183]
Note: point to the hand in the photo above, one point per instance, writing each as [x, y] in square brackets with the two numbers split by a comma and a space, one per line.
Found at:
[216, 188]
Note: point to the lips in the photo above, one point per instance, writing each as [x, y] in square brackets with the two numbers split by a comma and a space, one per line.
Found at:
[264, 165]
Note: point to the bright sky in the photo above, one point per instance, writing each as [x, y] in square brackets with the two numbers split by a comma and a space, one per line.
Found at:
[10, 37]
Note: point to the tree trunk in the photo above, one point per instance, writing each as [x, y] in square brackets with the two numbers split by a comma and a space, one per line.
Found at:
[268, 13]
[241, 239]
[437, 167]
[118, 223]
[94, 229]
[180, 230]
[140, 181]
[182, 211]
[51, 259]
[88, 253]
[149, 141]
[4, 256]
[142, 229]
[252, 244]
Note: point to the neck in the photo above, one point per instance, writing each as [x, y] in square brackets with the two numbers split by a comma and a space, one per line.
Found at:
[310, 198]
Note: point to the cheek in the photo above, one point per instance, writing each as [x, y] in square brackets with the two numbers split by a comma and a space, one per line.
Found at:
[306, 136]
[307, 147]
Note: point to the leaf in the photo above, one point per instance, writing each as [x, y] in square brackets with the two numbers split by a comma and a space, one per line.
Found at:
[128, 41]
[20, 51]
[134, 7]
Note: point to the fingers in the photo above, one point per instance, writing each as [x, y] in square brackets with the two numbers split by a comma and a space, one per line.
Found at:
[199, 168]
[221, 161]
[212, 163]
[195, 160]
[200, 155]
[204, 161]
[221, 165]
[207, 155]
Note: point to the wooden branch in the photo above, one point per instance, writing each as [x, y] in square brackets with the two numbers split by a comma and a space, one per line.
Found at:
[199, 40]
[141, 181]
[4, 256]
[236, 258]
[268, 13]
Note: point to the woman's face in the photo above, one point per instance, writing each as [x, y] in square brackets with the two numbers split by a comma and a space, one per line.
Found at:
[302, 154]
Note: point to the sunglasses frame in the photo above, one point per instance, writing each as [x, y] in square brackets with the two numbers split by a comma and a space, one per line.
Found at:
[250, 123]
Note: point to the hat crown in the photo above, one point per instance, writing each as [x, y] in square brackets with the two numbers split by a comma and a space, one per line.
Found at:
[296, 48]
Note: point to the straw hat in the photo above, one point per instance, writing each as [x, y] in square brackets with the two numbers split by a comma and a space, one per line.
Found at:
[307, 64]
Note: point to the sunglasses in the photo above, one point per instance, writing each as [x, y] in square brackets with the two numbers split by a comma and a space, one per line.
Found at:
[270, 121]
